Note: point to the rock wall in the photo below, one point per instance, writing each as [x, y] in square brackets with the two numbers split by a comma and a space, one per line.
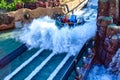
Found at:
[114, 10]
[36, 13]
[107, 39]
[6, 22]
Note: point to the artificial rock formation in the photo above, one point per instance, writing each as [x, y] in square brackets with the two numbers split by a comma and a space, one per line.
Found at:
[38, 11]
[6, 22]
[107, 39]
[114, 10]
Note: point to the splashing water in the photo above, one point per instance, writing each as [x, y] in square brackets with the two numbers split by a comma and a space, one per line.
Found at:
[110, 73]
[114, 66]
[43, 33]
[99, 73]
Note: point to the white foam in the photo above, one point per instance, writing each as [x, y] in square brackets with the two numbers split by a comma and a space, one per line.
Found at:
[110, 73]
[100, 73]
[44, 33]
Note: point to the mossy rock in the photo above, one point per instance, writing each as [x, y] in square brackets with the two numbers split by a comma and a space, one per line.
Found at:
[112, 26]
[109, 18]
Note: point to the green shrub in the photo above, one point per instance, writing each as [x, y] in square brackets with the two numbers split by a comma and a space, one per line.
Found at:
[3, 4]
[12, 6]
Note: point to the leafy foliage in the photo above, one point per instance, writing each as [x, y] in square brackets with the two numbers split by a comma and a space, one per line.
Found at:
[12, 6]
[3, 4]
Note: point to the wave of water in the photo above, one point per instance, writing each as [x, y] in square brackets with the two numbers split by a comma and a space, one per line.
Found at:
[99, 72]
[43, 33]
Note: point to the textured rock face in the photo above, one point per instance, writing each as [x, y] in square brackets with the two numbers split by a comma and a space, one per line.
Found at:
[6, 22]
[36, 13]
[48, 11]
[107, 37]
[114, 10]
[102, 10]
